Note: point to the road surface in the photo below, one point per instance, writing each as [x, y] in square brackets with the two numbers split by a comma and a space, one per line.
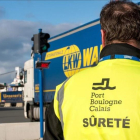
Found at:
[12, 115]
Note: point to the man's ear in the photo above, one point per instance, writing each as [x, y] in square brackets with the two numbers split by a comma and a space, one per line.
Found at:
[103, 37]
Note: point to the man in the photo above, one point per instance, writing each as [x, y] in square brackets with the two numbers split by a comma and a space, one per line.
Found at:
[102, 102]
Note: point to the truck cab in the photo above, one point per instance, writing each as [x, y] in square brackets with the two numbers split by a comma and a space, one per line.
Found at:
[28, 94]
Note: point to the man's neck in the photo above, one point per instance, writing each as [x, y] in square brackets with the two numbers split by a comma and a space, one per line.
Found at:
[131, 42]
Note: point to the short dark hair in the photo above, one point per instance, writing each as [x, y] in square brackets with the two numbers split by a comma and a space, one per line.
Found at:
[121, 21]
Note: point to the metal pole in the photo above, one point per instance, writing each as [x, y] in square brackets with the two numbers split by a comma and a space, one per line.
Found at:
[41, 104]
[41, 100]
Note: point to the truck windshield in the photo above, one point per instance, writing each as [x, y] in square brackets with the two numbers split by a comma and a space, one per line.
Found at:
[25, 77]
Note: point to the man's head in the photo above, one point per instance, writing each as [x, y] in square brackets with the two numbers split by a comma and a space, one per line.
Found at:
[120, 22]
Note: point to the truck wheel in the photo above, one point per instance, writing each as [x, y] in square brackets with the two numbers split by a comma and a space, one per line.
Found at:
[30, 113]
[13, 104]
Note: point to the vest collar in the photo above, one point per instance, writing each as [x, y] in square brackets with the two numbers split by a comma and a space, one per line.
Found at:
[120, 48]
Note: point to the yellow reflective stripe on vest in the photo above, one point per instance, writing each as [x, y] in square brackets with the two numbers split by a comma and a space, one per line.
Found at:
[60, 97]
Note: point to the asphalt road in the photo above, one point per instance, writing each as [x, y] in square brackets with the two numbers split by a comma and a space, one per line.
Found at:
[12, 115]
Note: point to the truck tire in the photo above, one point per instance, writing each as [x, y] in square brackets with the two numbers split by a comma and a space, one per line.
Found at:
[13, 104]
[30, 113]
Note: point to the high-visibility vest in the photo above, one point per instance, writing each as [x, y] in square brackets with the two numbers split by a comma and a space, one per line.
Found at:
[101, 103]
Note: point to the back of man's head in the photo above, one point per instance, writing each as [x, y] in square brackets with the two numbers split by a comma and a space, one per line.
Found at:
[120, 20]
